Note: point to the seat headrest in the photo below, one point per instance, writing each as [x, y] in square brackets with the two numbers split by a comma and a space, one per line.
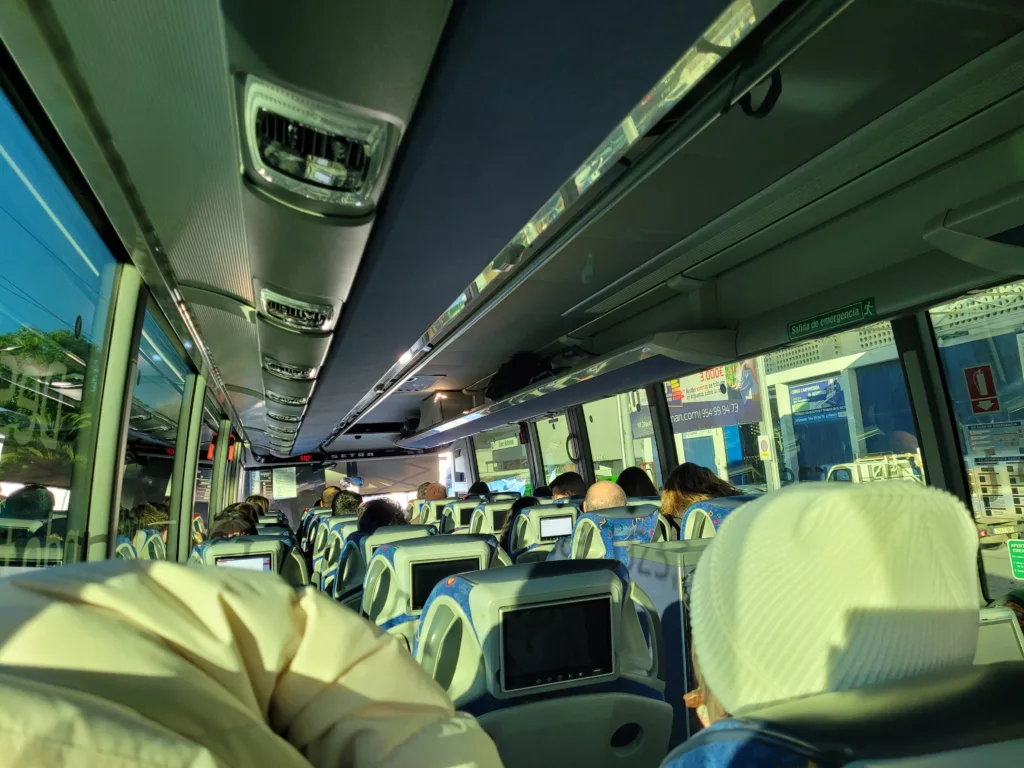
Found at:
[957, 709]
[609, 532]
[716, 510]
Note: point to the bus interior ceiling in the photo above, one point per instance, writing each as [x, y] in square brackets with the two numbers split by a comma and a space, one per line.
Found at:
[716, 230]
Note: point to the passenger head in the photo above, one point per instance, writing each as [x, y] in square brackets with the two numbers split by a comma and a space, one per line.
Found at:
[421, 491]
[542, 493]
[328, 495]
[434, 492]
[31, 502]
[635, 482]
[689, 483]
[378, 513]
[604, 494]
[346, 503]
[873, 581]
[260, 501]
[568, 484]
[478, 488]
[242, 509]
[506, 528]
[149, 516]
[231, 526]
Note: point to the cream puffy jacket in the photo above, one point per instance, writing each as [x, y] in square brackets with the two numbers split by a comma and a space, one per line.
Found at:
[146, 663]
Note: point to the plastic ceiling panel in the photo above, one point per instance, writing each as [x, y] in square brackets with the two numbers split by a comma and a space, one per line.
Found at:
[158, 75]
[232, 339]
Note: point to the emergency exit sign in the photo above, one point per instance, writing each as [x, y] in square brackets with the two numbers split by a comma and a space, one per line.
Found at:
[851, 314]
[1016, 547]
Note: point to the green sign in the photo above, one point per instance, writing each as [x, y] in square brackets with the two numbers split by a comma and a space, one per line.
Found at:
[851, 314]
[1016, 547]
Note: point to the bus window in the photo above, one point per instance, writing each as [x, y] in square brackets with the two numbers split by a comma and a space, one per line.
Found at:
[621, 434]
[501, 460]
[981, 346]
[840, 410]
[55, 280]
[553, 435]
[837, 410]
[151, 435]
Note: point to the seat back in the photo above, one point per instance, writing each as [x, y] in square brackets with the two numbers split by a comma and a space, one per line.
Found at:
[701, 520]
[340, 532]
[272, 520]
[664, 572]
[536, 529]
[534, 651]
[610, 532]
[489, 517]
[401, 575]
[257, 553]
[149, 544]
[430, 511]
[971, 715]
[356, 553]
[324, 539]
[124, 549]
[456, 516]
[312, 523]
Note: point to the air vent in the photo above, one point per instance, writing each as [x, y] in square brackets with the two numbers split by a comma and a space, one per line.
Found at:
[419, 383]
[289, 371]
[295, 314]
[328, 153]
[282, 417]
[277, 397]
[281, 432]
[278, 444]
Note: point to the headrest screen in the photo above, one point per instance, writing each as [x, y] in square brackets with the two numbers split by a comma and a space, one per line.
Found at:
[465, 515]
[426, 576]
[554, 527]
[556, 643]
[499, 516]
[246, 562]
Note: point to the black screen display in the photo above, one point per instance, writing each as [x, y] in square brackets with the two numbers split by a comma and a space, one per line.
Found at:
[556, 643]
[425, 576]
[465, 515]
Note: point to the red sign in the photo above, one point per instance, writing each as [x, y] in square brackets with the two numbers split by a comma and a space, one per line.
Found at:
[306, 457]
[981, 389]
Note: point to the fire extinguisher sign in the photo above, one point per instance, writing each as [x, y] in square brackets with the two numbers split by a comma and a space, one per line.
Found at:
[981, 389]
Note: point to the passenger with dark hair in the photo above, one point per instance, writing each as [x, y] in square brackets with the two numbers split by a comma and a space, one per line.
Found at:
[378, 513]
[260, 501]
[543, 492]
[228, 527]
[31, 502]
[346, 503]
[568, 485]
[144, 516]
[242, 509]
[505, 534]
[689, 483]
[478, 488]
[635, 482]
[328, 496]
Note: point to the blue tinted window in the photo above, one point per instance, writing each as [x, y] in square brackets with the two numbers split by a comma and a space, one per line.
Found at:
[56, 276]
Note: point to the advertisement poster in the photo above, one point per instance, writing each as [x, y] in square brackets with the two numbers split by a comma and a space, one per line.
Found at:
[817, 401]
[724, 396]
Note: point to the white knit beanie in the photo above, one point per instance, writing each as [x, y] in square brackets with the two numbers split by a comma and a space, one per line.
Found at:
[823, 587]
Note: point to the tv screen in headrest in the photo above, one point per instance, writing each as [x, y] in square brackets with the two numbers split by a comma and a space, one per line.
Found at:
[426, 576]
[246, 562]
[465, 515]
[554, 527]
[499, 516]
[556, 643]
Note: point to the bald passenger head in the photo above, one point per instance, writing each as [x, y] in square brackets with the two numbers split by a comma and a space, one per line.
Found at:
[604, 495]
